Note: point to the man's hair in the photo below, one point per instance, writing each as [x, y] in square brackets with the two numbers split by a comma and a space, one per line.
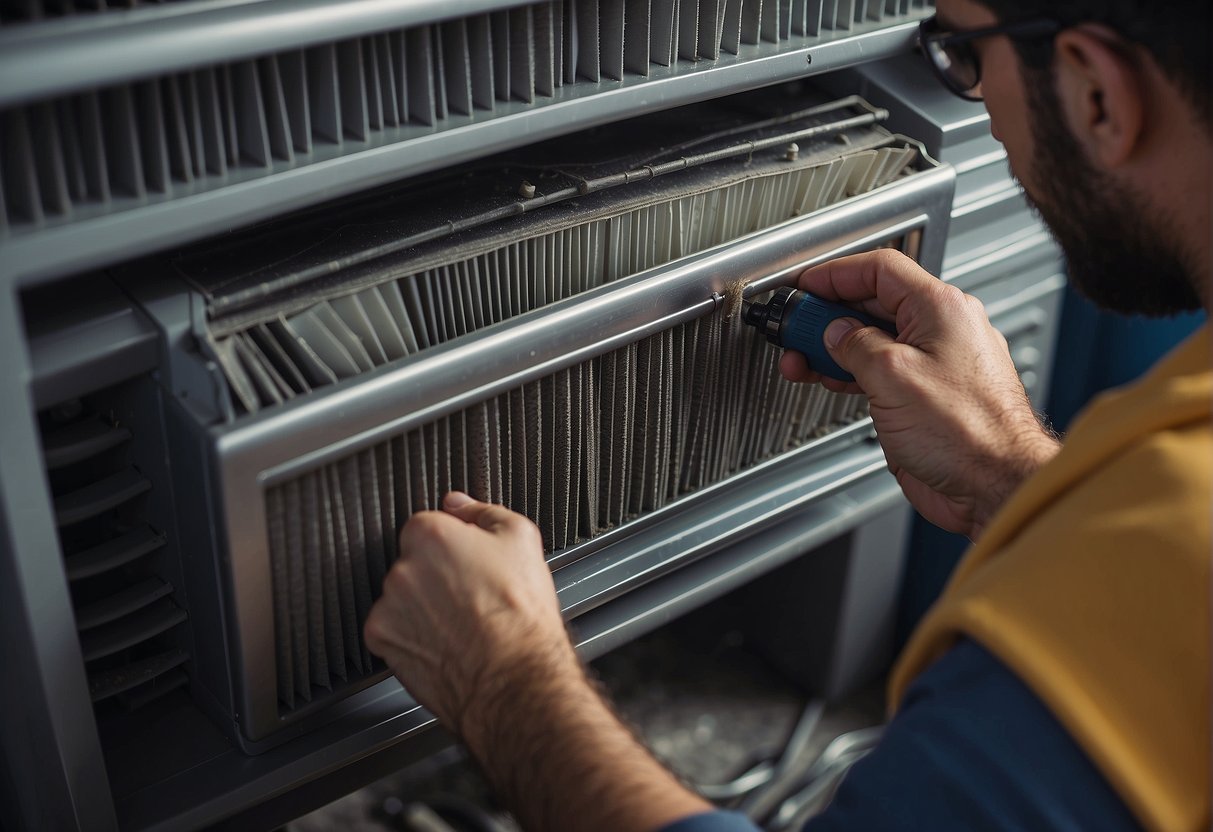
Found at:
[1176, 34]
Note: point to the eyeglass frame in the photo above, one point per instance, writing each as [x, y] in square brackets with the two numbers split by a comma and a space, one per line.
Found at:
[928, 32]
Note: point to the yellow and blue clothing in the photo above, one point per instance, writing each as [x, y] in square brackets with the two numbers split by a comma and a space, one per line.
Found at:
[1075, 634]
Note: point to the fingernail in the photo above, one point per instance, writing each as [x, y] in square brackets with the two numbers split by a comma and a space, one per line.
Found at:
[838, 329]
[457, 499]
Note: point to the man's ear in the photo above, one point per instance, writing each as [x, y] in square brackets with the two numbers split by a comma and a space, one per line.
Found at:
[1102, 93]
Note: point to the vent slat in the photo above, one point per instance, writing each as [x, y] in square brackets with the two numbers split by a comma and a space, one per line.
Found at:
[374, 84]
[277, 121]
[388, 77]
[636, 44]
[48, 152]
[292, 68]
[730, 26]
[100, 496]
[229, 116]
[544, 36]
[456, 65]
[751, 21]
[113, 553]
[499, 31]
[480, 53]
[124, 602]
[522, 55]
[588, 44]
[194, 123]
[323, 103]
[103, 685]
[137, 697]
[176, 131]
[441, 110]
[81, 440]
[711, 26]
[20, 172]
[688, 29]
[144, 625]
[351, 91]
[210, 111]
[611, 41]
[92, 142]
[560, 45]
[829, 12]
[153, 144]
[844, 15]
[770, 20]
[422, 106]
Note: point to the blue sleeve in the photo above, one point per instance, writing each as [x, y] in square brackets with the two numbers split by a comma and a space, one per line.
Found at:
[972, 748]
[712, 822]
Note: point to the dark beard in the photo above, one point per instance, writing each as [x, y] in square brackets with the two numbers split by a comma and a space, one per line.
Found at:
[1116, 248]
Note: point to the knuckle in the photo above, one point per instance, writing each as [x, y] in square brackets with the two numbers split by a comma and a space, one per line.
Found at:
[894, 363]
[427, 524]
[398, 577]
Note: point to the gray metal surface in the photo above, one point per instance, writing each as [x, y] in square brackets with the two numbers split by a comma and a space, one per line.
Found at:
[382, 729]
[54, 772]
[58, 56]
[270, 447]
[952, 129]
[250, 195]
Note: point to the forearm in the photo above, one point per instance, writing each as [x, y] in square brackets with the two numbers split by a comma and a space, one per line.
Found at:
[559, 757]
[1033, 448]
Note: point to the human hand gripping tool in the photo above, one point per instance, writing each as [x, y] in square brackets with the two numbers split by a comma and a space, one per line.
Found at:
[796, 320]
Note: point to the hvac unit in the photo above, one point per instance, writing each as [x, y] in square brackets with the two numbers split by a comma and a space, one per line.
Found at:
[278, 274]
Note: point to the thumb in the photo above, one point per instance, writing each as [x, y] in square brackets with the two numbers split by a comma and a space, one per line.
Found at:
[854, 346]
[487, 516]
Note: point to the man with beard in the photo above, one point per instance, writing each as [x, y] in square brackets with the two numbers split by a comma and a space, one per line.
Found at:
[1062, 681]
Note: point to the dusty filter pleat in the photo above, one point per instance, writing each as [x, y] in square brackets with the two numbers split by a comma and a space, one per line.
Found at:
[347, 336]
[580, 451]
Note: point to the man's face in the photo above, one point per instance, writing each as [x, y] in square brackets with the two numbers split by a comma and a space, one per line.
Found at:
[1117, 244]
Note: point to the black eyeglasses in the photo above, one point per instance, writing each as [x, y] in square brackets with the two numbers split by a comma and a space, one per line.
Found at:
[952, 56]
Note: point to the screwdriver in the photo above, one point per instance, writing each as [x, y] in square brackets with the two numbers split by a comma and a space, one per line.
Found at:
[796, 320]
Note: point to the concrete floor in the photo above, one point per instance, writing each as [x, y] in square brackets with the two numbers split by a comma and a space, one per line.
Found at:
[706, 705]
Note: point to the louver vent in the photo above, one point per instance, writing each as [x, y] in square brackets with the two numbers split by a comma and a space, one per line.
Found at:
[579, 452]
[125, 614]
[108, 150]
[20, 11]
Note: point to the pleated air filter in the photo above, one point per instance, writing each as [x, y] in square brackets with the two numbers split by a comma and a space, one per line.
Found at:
[335, 300]
[580, 452]
[294, 325]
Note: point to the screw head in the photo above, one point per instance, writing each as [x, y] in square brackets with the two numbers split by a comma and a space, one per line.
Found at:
[808, 59]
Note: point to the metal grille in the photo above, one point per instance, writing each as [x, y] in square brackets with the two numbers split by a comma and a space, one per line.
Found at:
[125, 614]
[108, 150]
[579, 452]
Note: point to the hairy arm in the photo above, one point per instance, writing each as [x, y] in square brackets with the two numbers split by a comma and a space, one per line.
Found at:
[470, 624]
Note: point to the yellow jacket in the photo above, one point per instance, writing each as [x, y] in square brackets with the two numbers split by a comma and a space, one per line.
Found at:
[1093, 586]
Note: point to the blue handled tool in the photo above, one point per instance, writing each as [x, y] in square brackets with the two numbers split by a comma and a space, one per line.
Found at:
[796, 320]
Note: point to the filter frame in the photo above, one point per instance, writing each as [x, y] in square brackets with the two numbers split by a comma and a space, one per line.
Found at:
[258, 451]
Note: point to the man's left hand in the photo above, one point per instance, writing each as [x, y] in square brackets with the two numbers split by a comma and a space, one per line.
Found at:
[469, 601]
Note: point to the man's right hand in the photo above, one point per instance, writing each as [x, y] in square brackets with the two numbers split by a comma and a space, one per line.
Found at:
[951, 413]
